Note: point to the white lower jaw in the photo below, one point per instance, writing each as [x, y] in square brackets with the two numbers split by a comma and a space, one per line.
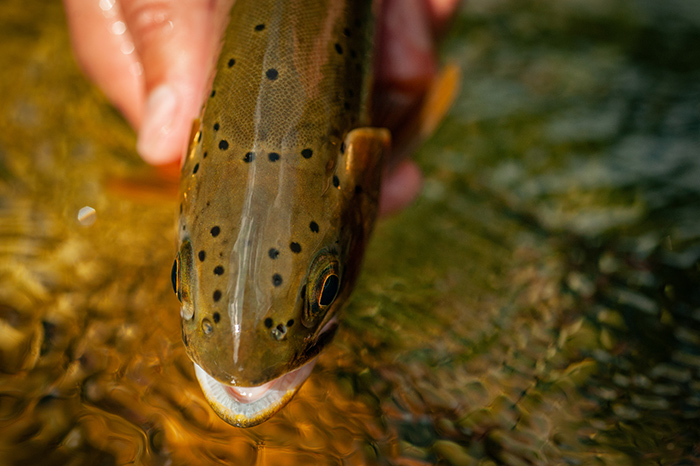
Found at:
[248, 406]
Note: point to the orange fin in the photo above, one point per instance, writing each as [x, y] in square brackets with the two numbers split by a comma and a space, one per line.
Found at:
[435, 104]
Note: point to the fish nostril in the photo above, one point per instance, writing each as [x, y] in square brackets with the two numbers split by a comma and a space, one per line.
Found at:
[279, 332]
[207, 327]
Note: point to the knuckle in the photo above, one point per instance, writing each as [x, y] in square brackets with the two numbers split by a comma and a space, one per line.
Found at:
[149, 20]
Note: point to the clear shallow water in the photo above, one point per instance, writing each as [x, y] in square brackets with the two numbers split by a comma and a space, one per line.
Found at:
[538, 305]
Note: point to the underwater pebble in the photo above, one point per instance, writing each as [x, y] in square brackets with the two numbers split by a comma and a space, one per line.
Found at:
[649, 402]
[666, 389]
[637, 300]
[677, 374]
[454, 453]
[612, 318]
[625, 411]
[687, 336]
[621, 380]
[607, 339]
[581, 284]
[408, 449]
[686, 359]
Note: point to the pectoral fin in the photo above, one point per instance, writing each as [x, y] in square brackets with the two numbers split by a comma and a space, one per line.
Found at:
[365, 151]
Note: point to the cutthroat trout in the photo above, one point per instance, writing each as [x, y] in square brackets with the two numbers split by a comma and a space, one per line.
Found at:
[279, 194]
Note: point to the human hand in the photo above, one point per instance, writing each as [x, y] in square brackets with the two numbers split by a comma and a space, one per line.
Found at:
[152, 59]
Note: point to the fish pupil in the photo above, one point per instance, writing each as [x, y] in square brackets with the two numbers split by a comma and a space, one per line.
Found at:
[173, 276]
[329, 290]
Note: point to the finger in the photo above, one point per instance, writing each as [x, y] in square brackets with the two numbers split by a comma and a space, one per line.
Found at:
[175, 42]
[441, 11]
[404, 62]
[105, 51]
[400, 187]
[405, 42]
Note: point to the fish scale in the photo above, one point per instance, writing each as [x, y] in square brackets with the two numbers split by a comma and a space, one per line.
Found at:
[279, 193]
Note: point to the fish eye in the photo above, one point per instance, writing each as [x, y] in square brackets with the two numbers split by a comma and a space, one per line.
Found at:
[175, 276]
[329, 290]
[323, 287]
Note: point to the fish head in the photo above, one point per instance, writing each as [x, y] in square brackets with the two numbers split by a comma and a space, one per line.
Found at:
[261, 286]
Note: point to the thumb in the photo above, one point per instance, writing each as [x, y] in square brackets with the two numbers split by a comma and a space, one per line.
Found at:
[174, 42]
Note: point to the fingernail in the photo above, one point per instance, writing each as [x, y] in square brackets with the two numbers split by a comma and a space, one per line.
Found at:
[159, 116]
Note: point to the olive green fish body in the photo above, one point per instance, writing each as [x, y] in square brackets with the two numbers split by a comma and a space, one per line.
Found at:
[279, 192]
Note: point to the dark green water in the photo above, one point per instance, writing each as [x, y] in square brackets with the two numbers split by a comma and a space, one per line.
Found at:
[540, 303]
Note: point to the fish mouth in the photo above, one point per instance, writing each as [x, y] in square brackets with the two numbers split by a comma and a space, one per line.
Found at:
[249, 406]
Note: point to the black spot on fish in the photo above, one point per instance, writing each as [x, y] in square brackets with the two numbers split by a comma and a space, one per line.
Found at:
[202, 255]
[217, 317]
[218, 270]
[273, 156]
[249, 157]
[199, 136]
[215, 231]
[314, 226]
[353, 54]
[231, 62]
[342, 147]
[196, 169]
[351, 93]
[338, 49]
[346, 32]
[290, 322]
[216, 127]
[268, 323]
[336, 181]
[259, 27]
[358, 189]
[271, 74]
[223, 144]
[213, 93]
[307, 153]
[277, 279]
[217, 296]
[346, 105]
[205, 155]
[273, 253]
[295, 247]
